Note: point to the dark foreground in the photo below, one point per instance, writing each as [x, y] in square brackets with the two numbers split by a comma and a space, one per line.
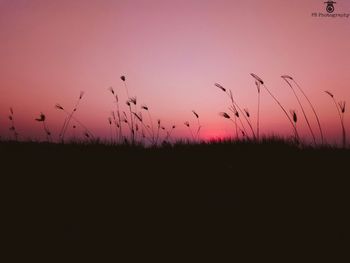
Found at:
[269, 201]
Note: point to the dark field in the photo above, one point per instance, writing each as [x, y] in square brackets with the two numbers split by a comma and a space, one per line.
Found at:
[271, 200]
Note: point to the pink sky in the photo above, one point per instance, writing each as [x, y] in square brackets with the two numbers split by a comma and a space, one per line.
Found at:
[172, 53]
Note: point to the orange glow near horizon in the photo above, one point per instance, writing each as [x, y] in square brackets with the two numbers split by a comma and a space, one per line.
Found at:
[172, 53]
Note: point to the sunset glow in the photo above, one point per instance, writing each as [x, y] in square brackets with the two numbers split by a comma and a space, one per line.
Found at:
[172, 53]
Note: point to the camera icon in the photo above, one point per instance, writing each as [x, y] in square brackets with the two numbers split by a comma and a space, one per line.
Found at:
[330, 7]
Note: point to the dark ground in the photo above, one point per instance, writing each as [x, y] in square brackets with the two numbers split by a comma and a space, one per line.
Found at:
[270, 201]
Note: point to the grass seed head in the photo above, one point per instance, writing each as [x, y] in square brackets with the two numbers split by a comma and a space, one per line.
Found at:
[286, 77]
[225, 115]
[257, 78]
[195, 114]
[133, 100]
[111, 90]
[59, 107]
[41, 117]
[220, 87]
[342, 106]
[329, 93]
[294, 115]
[123, 78]
[234, 110]
[187, 123]
[257, 83]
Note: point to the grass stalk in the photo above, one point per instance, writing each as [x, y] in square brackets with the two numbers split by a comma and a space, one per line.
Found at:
[71, 115]
[313, 109]
[285, 78]
[341, 111]
[12, 125]
[277, 101]
[257, 83]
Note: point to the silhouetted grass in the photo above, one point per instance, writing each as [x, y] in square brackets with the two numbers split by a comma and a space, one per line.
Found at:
[341, 110]
[236, 113]
[12, 127]
[277, 101]
[287, 79]
[257, 193]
